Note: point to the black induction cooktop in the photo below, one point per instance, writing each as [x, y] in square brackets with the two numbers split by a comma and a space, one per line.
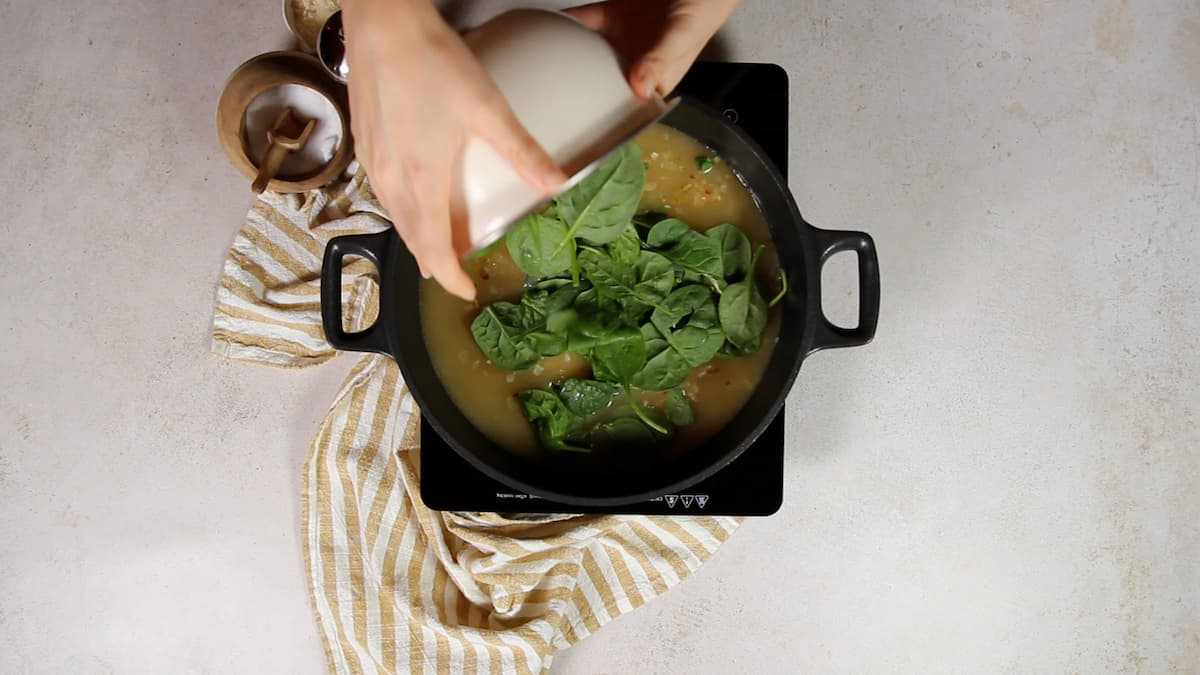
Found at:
[755, 97]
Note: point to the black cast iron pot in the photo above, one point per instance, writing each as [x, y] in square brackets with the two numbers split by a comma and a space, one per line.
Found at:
[604, 479]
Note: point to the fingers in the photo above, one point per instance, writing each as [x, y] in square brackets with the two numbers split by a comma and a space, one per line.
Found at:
[663, 66]
[644, 78]
[401, 54]
[416, 198]
[444, 266]
[689, 26]
[397, 200]
[430, 237]
[499, 127]
[425, 229]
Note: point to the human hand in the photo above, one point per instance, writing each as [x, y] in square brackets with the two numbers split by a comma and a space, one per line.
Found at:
[417, 95]
[659, 38]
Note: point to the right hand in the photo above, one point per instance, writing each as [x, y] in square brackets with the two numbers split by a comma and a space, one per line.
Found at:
[659, 38]
[417, 94]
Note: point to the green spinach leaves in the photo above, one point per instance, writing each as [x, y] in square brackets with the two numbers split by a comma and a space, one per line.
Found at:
[601, 206]
[743, 313]
[534, 243]
[644, 298]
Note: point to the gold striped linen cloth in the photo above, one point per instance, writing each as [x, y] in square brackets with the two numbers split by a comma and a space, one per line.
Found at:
[395, 586]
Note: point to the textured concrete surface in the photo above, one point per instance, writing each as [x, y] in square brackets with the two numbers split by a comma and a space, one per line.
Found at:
[1006, 481]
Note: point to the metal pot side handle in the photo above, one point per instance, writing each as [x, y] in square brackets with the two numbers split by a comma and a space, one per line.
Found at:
[373, 247]
[827, 335]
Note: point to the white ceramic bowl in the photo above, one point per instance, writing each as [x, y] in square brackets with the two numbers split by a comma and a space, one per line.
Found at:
[565, 84]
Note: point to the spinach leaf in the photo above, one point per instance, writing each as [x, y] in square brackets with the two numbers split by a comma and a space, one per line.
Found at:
[539, 303]
[649, 416]
[704, 163]
[516, 336]
[587, 397]
[547, 284]
[624, 433]
[783, 289]
[593, 322]
[743, 312]
[735, 249]
[561, 321]
[728, 351]
[587, 302]
[618, 356]
[641, 286]
[609, 278]
[604, 293]
[502, 332]
[648, 219]
[560, 418]
[666, 232]
[697, 255]
[547, 343]
[600, 207]
[580, 338]
[679, 411]
[534, 242]
[688, 321]
[654, 277]
[665, 367]
[692, 302]
[563, 298]
[551, 309]
[632, 409]
[695, 345]
[557, 427]
[625, 248]
[580, 344]
[533, 306]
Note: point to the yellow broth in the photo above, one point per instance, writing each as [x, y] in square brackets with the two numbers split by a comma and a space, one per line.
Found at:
[487, 394]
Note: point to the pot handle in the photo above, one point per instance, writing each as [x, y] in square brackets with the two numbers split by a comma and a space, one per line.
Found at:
[373, 247]
[828, 335]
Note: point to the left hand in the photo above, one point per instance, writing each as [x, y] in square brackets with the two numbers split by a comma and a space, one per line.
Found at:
[659, 38]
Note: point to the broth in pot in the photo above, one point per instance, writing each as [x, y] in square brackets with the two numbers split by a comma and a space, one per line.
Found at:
[684, 180]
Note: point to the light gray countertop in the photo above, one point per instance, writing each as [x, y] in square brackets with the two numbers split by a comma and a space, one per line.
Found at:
[1005, 481]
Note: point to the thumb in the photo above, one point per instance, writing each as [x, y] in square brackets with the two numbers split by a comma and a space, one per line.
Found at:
[684, 35]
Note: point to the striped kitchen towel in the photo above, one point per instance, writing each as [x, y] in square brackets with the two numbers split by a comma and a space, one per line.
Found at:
[396, 586]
